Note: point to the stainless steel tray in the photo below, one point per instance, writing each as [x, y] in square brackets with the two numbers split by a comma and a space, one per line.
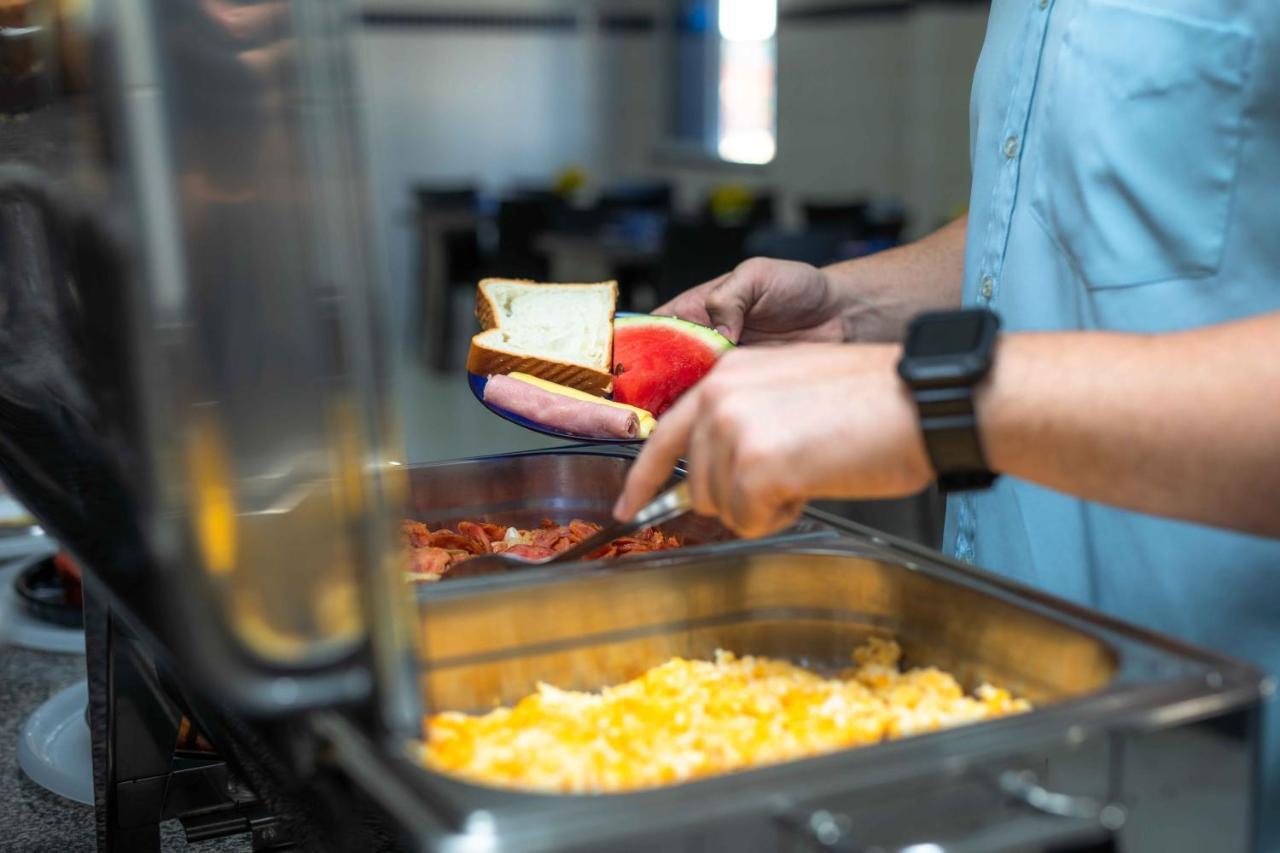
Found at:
[1113, 703]
[810, 604]
[561, 484]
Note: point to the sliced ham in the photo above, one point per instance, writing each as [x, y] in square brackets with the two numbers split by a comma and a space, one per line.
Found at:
[560, 412]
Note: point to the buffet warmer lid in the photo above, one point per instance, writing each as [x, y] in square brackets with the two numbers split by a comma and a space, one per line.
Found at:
[197, 395]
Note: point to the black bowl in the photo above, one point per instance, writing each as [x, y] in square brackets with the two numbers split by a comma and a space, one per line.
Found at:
[42, 595]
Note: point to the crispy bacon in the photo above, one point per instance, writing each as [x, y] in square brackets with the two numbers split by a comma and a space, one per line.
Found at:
[432, 553]
[530, 552]
[415, 533]
[579, 529]
[429, 561]
[451, 541]
[550, 537]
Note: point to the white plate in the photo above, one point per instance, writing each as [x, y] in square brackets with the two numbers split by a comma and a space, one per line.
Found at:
[54, 747]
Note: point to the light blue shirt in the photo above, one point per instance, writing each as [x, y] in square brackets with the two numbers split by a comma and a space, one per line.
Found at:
[1126, 176]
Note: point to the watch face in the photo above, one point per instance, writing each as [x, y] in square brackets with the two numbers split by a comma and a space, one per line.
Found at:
[949, 347]
[953, 334]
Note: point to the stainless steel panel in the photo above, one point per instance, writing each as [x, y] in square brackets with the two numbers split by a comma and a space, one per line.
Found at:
[200, 389]
[257, 329]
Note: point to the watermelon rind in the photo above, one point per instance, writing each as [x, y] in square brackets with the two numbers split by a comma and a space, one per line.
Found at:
[704, 334]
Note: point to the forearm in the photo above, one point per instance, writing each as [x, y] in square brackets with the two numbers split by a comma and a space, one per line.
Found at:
[881, 293]
[1184, 425]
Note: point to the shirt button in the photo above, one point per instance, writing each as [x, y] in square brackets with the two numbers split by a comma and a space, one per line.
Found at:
[1044, 4]
[987, 287]
[1011, 147]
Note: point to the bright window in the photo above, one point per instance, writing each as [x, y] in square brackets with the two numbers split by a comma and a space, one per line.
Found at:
[726, 78]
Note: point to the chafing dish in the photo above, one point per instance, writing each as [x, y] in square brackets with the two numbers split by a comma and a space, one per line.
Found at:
[560, 484]
[1136, 740]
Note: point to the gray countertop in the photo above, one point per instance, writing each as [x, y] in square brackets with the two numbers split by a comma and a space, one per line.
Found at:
[34, 820]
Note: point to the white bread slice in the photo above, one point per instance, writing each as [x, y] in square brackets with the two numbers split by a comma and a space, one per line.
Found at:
[559, 332]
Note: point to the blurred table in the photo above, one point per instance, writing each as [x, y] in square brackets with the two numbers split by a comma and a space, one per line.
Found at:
[434, 229]
[587, 257]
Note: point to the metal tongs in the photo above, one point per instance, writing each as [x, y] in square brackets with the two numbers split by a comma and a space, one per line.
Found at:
[672, 503]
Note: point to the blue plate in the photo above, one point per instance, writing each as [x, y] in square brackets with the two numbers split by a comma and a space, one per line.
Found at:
[477, 383]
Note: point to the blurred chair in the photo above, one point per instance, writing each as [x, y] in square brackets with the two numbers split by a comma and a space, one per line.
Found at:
[761, 212]
[868, 227]
[651, 197]
[568, 219]
[521, 220]
[849, 217]
[637, 213]
[458, 197]
[448, 257]
[885, 223]
[733, 205]
[695, 252]
[816, 246]
[637, 272]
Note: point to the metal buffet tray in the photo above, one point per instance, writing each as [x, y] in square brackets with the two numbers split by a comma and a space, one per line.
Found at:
[523, 489]
[1136, 740]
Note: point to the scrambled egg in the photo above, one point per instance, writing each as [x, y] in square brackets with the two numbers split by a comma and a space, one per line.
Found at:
[687, 719]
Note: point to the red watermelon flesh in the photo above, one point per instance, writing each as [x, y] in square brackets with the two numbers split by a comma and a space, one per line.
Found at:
[656, 359]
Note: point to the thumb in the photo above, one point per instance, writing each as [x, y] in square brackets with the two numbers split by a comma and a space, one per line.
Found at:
[727, 305]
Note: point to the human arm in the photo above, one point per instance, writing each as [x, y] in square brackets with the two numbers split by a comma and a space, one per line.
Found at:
[867, 299]
[1184, 425]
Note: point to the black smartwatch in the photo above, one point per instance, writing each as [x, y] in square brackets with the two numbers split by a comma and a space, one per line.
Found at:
[945, 355]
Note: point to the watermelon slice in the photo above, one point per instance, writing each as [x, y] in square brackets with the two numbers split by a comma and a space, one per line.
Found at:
[656, 359]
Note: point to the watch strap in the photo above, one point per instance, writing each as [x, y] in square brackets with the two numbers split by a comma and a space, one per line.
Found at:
[950, 428]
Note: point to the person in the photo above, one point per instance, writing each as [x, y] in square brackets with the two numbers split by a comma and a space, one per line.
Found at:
[1122, 223]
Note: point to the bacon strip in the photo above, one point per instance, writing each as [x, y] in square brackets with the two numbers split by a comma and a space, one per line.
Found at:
[432, 553]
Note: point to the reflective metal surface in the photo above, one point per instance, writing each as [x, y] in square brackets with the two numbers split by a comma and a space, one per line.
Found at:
[200, 397]
[250, 289]
[1124, 718]
[809, 607]
[561, 484]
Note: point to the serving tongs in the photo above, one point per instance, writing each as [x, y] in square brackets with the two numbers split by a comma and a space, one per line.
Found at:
[668, 505]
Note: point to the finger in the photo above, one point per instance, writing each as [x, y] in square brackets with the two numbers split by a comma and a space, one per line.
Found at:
[699, 469]
[785, 516]
[760, 365]
[745, 502]
[691, 305]
[722, 471]
[728, 303]
[656, 461]
[758, 506]
[769, 523]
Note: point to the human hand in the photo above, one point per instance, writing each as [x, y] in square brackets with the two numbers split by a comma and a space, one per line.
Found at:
[768, 430]
[765, 301]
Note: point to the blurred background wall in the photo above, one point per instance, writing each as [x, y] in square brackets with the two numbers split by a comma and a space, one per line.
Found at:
[499, 129]
[872, 100]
